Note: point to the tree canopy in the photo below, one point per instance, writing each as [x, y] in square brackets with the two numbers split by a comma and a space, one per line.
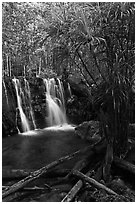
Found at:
[75, 36]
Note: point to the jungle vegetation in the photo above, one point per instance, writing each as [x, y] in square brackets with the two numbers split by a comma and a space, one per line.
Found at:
[93, 41]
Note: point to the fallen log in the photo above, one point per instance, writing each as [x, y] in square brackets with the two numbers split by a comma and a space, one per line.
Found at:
[93, 182]
[22, 173]
[124, 165]
[36, 174]
[26, 188]
[76, 188]
[24, 192]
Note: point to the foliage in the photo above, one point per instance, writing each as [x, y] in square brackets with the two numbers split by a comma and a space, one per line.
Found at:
[95, 41]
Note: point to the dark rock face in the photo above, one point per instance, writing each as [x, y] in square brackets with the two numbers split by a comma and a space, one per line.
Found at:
[79, 89]
[78, 105]
[88, 130]
[10, 114]
[8, 108]
[38, 101]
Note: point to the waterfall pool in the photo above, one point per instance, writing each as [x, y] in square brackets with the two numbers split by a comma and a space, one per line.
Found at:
[41, 147]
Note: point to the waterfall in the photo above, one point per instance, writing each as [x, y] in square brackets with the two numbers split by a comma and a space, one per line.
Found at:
[5, 91]
[55, 102]
[27, 89]
[19, 92]
[61, 95]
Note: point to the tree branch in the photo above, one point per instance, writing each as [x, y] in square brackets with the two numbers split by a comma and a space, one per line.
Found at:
[93, 182]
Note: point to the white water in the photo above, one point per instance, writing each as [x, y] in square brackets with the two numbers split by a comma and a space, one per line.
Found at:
[61, 94]
[5, 90]
[56, 114]
[27, 89]
[64, 127]
[24, 121]
[55, 103]
[58, 128]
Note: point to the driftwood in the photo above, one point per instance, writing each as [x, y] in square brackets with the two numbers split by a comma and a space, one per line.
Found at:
[119, 162]
[26, 191]
[36, 174]
[22, 173]
[76, 188]
[124, 165]
[26, 188]
[93, 182]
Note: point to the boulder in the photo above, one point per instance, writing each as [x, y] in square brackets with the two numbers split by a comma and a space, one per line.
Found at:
[88, 130]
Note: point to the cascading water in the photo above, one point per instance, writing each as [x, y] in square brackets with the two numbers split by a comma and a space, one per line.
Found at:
[61, 95]
[27, 89]
[55, 102]
[5, 90]
[24, 121]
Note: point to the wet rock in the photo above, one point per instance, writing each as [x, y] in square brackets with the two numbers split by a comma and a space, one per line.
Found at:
[88, 130]
[8, 109]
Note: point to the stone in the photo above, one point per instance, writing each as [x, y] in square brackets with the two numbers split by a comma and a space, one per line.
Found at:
[88, 130]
